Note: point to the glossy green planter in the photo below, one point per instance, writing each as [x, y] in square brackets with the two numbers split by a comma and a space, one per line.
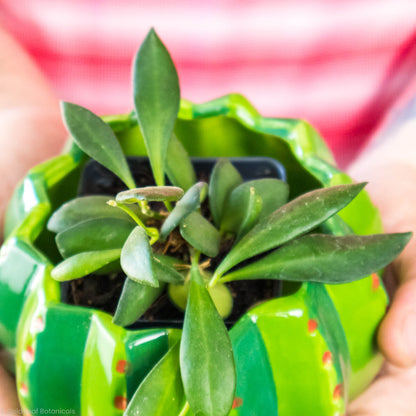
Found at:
[305, 353]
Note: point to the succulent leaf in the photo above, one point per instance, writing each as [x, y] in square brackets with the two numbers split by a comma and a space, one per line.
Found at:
[326, 258]
[94, 234]
[252, 213]
[156, 100]
[273, 193]
[220, 295]
[242, 210]
[83, 209]
[201, 234]
[178, 165]
[163, 267]
[97, 140]
[291, 220]
[190, 202]
[150, 193]
[161, 392]
[136, 258]
[224, 178]
[134, 301]
[206, 358]
[84, 263]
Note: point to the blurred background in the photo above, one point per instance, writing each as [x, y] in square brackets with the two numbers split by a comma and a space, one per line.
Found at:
[341, 65]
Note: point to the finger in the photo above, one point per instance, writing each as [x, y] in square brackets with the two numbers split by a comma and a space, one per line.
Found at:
[8, 398]
[392, 394]
[392, 189]
[397, 334]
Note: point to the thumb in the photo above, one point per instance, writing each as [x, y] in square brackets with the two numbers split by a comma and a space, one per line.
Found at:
[397, 334]
[8, 399]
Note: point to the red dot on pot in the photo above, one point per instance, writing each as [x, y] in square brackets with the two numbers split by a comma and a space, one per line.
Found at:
[338, 391]
[312, 325]
[375, 282]
[120, 402]
[327, 358]
[23, 388]
[29, 354]
[238, 402]
[122, 366]
[39, 324]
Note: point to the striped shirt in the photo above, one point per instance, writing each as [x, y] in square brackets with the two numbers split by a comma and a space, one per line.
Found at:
[342, 65]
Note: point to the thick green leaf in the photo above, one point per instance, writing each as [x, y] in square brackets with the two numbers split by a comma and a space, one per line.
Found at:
[83, 264]
[220, 295]
[164, 270]
[83, 209]
[156, 99]
[253, 211]
[161, 392]
[291, 220]
[95, 234]
[224, 178]
[201, 234]
[178, 165]
[136, 258]
[273, 193]
[190, 202]
[326, 258]
[242, 210]
[97, 140]
[150, 193]
[134, 301]
[206, 357]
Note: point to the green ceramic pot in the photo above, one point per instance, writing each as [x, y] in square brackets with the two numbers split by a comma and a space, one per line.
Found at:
[305, 353]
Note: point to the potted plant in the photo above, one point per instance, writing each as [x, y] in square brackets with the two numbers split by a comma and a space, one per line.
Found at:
[190, 244]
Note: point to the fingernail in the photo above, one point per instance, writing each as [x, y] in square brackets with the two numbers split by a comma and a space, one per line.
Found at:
[409, 335]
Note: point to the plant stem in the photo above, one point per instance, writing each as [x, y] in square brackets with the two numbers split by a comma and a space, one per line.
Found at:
[214, 280]
[184, 410]
[150, 231]
[195, 257]
[168, 206]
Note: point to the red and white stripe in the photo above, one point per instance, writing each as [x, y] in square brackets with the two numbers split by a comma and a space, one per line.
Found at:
[339, 64]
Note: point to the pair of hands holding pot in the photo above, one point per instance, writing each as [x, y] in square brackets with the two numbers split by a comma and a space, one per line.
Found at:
[32, 131]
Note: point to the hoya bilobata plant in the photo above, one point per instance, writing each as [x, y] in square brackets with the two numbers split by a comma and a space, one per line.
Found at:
[268, 238]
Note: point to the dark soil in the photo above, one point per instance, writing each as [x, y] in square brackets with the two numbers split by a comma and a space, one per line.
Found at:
[103, 291]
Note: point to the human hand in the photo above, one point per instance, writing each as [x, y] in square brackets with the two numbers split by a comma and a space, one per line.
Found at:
[8, 399]
[391, 172]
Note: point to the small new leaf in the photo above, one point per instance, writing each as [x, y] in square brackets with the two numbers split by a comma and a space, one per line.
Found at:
[83, 264]
[325, 258]
[164, 269]
[291, 220]
[206, 357]
[190, 202]
[136, 258]
[161, 392]
[134, 301]
[150, 193]
[201, 234]
[273, 193]
[156, 100]
[97, 140]
[242, 210]
[224, 178]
